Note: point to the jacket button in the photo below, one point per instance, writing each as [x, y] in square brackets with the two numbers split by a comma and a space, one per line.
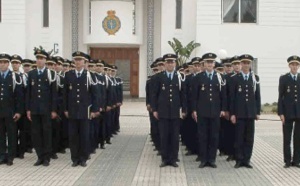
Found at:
[77, 101]
[170, 95]
[170, 100]
[78, 96]
[296, 100]
[210, 89]
[246, 85]
[210, 99]
[246, 99]
[210, 85]
[170, 90]
[78, 90]
[39, 96]
[246, 95]
[39, 90]
[39, 79]
[247, 90]
[39, 85]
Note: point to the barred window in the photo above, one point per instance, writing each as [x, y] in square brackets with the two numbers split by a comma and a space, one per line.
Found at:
[45, 13]
[239, 11]
[178, 14]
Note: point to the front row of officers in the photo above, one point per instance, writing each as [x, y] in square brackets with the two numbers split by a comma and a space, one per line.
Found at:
[51, 107]
[215, 106]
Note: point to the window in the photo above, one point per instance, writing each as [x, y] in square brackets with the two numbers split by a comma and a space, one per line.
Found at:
[178, 13]
[45, 13]
[239, 11]
[0, 11]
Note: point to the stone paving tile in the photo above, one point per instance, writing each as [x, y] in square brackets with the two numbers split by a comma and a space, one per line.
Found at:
[130, 160]
[117, 165]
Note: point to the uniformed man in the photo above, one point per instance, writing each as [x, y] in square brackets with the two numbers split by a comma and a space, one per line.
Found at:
[102, 84]
[41, 97]
[27, 63]
[224, 124]
[66, 65]
[80, 105]
[289, 111]
[159, 64]
[61, 134]
[245, 104]
[16, 61]
[168, 103]
[210, 93]
[11, 108]
[119, 93]
[189, 125]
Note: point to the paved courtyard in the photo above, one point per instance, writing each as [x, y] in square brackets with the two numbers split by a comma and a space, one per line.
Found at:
[130, 160]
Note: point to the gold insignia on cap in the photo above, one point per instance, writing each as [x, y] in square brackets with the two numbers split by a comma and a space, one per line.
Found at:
[38, 51]
[2, 55]
[295, 57]
[78, 53]
[169, 55]
[246, 55]
[15, 56]
[210, 55]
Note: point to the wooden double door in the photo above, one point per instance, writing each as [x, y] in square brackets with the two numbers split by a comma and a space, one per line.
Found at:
[127, 60]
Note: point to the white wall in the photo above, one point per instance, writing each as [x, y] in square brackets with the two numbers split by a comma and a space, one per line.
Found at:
[168, 19]
[12, 27]
[272, 40]
[36, 34]
[67, 29]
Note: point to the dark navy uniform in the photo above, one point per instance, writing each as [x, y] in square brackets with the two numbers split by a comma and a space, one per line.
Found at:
[11, 102]
[41, 100]
[210, 94]
[289, 107]
[245, 105]
[168, 98]
[80, 100]
[189, 128]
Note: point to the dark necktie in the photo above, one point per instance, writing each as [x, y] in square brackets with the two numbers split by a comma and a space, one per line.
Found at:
[209, 76]
[246, 78]
[78, 75]
[2, 76]
[170, 76]
[295, 79]
[40, 72]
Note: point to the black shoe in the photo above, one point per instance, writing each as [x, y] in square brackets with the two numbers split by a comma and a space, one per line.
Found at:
[83, 164]
[222, 153]
[54, 156]
[94, 152]
[89, 157]
[174, 164]
[158, 153]
[154, 149]
[178, 160]
[237, 165]
[296, 165]
[213, 165]
[9, 162]
[46, 163]
[102, 147]
[198, 159]
[287, 165]
[38, 162]
[163, 164]
[63, 151]
[29, 150]
[108, 142]
[247, 165]
[75, 164]
[189, 153]
[230, 158]
[21, 156]
[202, 165]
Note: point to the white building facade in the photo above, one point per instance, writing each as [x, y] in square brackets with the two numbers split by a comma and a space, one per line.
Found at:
[132, 33]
